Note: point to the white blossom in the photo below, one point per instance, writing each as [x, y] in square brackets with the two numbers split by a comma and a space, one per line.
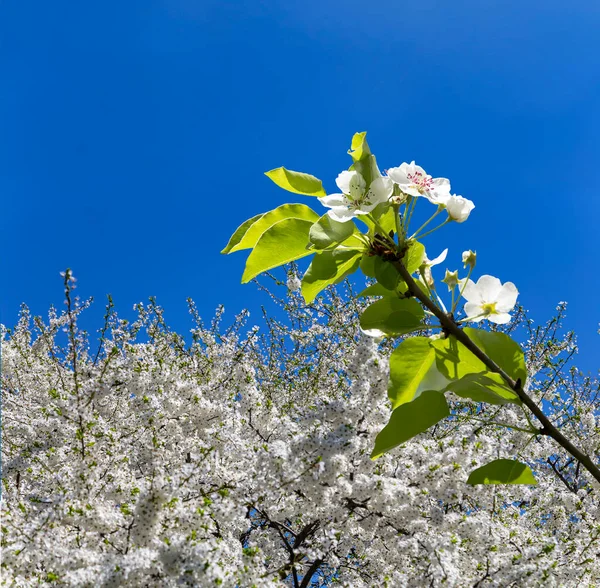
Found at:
[489, 299]
[458, 208]
[356, 197]
[414, 181]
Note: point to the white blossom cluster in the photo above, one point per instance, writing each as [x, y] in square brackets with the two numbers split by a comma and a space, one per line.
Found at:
[242, 460]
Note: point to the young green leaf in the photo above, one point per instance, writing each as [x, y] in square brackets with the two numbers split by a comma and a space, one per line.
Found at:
[328, 267]
[502, 471]
[297, 182]
[409, 364]
[285, 241]
[413, 258]
[386, 274]
[327, 232]
[239, 233]
[502, 349]
[484, 387]
[454, 360]
[392, 316]
[376, 290]
[267, 220]
[411, 419]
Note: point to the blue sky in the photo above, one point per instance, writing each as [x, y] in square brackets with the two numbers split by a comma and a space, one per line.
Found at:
[135, 136]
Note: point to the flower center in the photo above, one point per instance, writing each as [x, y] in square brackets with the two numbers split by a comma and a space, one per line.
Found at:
[422, 182]
[489, 308]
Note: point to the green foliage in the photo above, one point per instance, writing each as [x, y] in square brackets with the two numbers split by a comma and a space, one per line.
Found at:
[410, 419]
[285, 241]
[297, 182]
[502, 471]
[375, 290]
[409, 364]
[386, 274]
[502, 349]
[266, 221]
[327, 232]
[328, 267]
[413, 258]
[484, 387]
[364, 161]
[392, 316]
[239, 233]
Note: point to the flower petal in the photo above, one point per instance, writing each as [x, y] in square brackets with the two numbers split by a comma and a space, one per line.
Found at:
[500, 318]
[473, 309]
[341, 214]
[441, 257]
[398, 175]
[380, 190]
[472, 292]
[507, 297]
[343, 180]
[489, 288]
[333, 200]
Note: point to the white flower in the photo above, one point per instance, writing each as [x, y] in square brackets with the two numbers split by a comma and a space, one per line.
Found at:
[413, 180]
[489, 299]
[459, 208]
[355, 198]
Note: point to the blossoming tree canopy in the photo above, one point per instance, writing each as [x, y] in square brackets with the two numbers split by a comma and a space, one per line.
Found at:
[368, 228]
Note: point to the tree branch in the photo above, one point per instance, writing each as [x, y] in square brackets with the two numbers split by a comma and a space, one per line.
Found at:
[452, 328]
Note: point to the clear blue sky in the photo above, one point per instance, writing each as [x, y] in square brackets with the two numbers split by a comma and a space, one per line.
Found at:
[134, 136]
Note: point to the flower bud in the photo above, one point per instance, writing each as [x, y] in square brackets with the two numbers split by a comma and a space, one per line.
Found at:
[469, 258]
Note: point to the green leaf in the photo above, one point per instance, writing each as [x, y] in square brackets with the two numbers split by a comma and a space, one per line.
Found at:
[409, 365]
[367, 265]
[413, 258]
[297, 182]
[502, 471]
[454, 360]
[386, 274]
[484, 387]
[376, 290]
[328, 267]
[327, 232]
[364, 161]
[239, 233]
[267, 220]
[392, 316]
[285, 241]
[503, 350]
[359, 149]
[410, 419]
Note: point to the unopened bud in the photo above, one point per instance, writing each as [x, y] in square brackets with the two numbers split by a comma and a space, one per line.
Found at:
[469, 258]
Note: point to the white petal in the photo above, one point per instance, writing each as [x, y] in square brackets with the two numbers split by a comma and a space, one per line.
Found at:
[500, 318]
[507, 297]
[411, 190]
[398, 175]
[333, 200]
[340, 214]
[441, 257]
[441, 185]
[473, 312]
[473, 309]
[343, 180]
[472, 292]
[380, 190]
[489, 287]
